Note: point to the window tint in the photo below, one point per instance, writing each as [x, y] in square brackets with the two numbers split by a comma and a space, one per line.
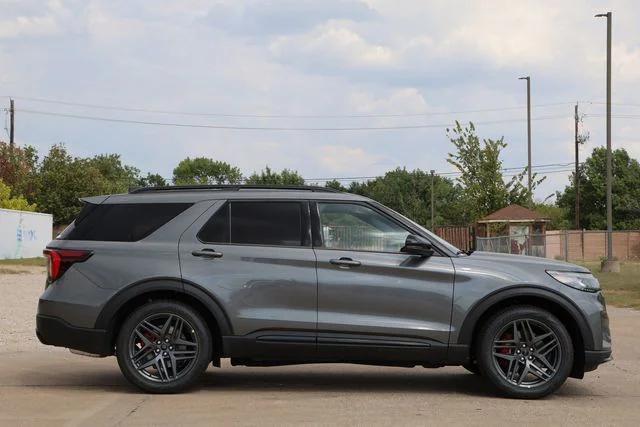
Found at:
[257, 223]
[359, 228]
[121, 222]
[217, 228]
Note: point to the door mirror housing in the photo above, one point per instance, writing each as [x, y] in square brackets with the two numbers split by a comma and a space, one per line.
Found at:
[416, 245]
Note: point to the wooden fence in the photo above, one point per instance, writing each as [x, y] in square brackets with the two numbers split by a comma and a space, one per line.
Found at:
[462, 237]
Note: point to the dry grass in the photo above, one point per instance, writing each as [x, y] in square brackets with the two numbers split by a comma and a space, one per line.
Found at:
[38, 262]
[620, 289]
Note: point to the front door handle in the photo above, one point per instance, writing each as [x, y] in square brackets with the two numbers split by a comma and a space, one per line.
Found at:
[344, 262]
[207, 253]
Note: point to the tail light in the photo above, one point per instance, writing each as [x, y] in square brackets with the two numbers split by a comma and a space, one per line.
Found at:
[59, 261]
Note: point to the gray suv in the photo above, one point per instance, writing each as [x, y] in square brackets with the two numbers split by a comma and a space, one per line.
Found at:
[170, 279]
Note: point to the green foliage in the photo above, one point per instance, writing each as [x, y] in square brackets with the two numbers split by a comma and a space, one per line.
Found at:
[626, 192]
[203, 170]
[18, 168]
[409, 193]
[336, 185]
[7, 201]
[556, 214]
[269, 177]
[116, 177]
[152, 180]
[62, 179]
[482, 182]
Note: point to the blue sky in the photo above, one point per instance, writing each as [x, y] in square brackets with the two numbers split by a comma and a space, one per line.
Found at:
[319, 58]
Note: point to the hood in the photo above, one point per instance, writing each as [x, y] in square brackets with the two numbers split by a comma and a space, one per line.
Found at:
[524, 261]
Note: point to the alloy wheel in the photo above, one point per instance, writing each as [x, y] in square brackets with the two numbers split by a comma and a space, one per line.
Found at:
[163, 347]
[527, 353]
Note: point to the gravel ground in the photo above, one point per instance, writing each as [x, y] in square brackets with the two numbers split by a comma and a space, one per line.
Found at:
[20, 288]
[65, 389]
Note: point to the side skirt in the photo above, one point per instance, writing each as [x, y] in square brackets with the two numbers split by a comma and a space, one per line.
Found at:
[276, 348]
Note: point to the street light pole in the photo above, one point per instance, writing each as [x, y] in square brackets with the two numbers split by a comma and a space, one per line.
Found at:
[610, 265]
[528, 79]
[433, 211]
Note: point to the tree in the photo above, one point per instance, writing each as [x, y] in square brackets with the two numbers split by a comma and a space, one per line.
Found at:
[7, 201]
[336, 185]
[63, 179]
[481, 173]
[557, 216]
[202, 170]
[152, 180]
[625, 186]
[118, 178]
[18, 168]
[269, 177]
[409, 193]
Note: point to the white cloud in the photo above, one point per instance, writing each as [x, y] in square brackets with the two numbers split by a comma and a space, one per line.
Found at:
[268, 17]
[337, 159]
[312, 58]
[332, 45]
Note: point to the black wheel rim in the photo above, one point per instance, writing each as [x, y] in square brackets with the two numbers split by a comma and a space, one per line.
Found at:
[527, 353]
[163, 347]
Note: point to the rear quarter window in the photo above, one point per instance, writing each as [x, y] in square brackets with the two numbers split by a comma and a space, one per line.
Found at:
[127, 222]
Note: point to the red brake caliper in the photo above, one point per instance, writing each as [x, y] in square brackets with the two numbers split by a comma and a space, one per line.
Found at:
[504, 364]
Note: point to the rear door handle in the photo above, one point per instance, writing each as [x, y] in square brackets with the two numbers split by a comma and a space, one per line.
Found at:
[207, 253]
[344, 262]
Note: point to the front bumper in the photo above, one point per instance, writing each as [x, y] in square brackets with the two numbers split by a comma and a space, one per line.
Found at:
[55, 331]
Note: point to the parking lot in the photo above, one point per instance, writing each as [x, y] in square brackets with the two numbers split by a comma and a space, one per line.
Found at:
[50, 386]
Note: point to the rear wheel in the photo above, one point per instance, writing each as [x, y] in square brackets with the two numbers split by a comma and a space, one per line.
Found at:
[163, 347]
[526, 352]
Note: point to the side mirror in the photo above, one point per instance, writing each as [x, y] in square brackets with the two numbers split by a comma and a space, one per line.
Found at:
[416, 245]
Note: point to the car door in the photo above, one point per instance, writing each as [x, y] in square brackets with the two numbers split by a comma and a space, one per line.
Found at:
[255, 258]
[375, 302]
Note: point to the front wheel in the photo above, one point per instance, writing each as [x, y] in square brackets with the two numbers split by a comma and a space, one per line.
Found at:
[163, 347]
[526, 352]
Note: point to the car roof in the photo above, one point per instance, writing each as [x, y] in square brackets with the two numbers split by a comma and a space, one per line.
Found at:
[194, 194]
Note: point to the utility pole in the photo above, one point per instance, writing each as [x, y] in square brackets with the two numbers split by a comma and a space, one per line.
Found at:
[528, 79]
[609, 265]
[11, 119]
[433, 211]
[577, 174]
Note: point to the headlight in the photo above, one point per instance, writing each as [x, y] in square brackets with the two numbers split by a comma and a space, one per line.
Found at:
[581, 281]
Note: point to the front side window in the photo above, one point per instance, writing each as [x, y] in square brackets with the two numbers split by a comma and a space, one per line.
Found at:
[359, 228]
[257, 223]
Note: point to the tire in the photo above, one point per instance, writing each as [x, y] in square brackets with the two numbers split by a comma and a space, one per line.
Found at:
[472, 367]
[171, 339]
[525, 367]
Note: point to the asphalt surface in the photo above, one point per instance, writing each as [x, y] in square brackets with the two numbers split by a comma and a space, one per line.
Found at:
[49, 386]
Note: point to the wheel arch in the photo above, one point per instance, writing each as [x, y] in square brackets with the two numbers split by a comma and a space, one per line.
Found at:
[560, 306]
[116, 310]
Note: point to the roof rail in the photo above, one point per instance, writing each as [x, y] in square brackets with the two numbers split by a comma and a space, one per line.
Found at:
[233, 187]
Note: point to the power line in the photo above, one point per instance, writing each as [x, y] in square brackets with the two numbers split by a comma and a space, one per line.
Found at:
[265, 128]
[509, 169]
[618, 116]
[364, 178]
[278, 116]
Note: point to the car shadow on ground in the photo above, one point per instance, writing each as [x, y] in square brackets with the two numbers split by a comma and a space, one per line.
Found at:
[383, 381]
[333, 378]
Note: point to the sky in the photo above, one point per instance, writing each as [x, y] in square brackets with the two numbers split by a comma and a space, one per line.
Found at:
[412, 66]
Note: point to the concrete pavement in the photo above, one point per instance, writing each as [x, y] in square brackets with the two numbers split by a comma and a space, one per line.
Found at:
[49, 386]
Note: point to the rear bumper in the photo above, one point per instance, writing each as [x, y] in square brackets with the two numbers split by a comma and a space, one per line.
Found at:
[592, 359]
[55, 331]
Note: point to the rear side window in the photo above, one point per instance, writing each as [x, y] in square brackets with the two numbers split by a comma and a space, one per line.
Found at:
[258, 223]
[121, 222]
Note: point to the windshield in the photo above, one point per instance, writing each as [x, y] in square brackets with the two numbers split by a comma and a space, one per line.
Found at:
[431, 235]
